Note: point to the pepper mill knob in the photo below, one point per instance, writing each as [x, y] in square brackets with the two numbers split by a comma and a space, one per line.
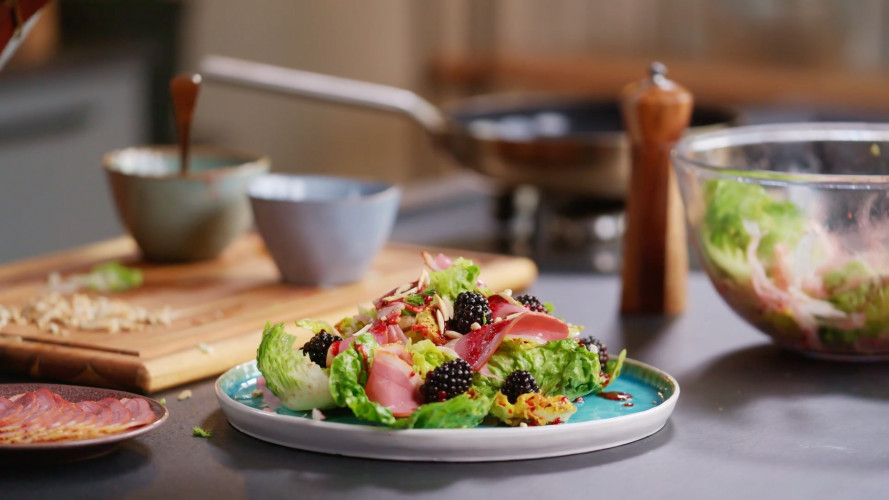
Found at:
[656, 112]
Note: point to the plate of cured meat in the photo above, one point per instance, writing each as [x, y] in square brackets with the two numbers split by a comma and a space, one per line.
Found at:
[60, 423]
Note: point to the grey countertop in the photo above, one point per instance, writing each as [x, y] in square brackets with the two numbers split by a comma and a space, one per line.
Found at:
[752, 422]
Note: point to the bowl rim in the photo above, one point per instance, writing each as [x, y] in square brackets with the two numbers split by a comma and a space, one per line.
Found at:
[247, 163]
[388, 190]
[783, 133]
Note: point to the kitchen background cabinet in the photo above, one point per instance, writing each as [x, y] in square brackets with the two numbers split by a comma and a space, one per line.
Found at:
[815, 58]
[55, 125]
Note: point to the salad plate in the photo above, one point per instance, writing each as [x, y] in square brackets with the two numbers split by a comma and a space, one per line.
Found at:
[637, 405]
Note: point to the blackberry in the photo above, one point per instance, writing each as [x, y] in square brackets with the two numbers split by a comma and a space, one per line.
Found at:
[447, 381]
[517, 383]
[469, 308]
[531, 302]
[318, 345]
[602, 350]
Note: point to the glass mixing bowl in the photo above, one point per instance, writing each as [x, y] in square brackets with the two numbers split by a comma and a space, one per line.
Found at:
[791, 224]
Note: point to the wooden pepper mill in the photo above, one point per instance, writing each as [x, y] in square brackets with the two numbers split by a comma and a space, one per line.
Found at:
[656, 112]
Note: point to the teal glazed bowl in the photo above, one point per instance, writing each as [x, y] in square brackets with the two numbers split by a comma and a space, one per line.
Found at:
[182, 218]
[323, 230]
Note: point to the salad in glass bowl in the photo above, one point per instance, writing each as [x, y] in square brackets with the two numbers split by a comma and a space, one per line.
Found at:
[443, 351]
[791, 223]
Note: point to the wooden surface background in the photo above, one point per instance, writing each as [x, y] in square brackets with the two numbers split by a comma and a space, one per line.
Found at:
[219, 306]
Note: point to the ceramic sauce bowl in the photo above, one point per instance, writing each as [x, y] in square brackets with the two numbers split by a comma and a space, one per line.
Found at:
[180, 218]
[323, 230]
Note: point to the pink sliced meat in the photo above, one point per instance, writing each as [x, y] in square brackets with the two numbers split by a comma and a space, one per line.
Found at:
[9, 413]
[398, 350]
[390, 314]
[53, 423]
[103, 415]
[43, 416]
[380, 331]
[393, 383]
[49, 413]
[396, 334]
[35, 403]
[539, 327]
[24, 404]
[477, 347]
[438, 263]
[501, 308]
[140, 411]
[120, 415]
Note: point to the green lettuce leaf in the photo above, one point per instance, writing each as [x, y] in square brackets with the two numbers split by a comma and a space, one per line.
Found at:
[349, 326]
[110, 277]
[315, 326]
[348, 374]
[290, 374]
[462, 276]
[462, 412]
[725, 240]
[426, 356]
[560, 367]
[856, 288]
[614, 366]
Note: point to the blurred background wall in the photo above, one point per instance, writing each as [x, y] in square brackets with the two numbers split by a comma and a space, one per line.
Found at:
[94, 78]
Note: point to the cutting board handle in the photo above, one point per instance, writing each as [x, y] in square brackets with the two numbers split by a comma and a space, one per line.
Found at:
[656, 112]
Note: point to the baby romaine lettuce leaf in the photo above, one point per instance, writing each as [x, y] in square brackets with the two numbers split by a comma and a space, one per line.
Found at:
[462, 412]
[315, 326]
[725, 240]
[348, 374]
[856, 288]
[614, 366]
[291, 376]
[560, 366]
[426, 356]
[462, 276]
[350, 325]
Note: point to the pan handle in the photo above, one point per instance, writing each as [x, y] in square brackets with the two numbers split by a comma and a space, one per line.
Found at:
[324, 87]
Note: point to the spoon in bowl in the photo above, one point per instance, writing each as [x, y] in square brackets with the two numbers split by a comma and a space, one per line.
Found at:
[184, 91]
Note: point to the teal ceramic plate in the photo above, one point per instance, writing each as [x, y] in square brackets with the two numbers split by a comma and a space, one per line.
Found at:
[598, 424]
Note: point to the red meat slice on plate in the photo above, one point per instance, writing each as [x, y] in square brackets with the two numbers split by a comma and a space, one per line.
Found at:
[392, 381]
[477, 346]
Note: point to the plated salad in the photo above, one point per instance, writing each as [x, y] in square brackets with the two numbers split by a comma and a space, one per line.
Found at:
[790, 276]
[443, 351]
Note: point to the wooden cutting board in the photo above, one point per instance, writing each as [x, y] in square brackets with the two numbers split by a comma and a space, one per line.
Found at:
[219, 306]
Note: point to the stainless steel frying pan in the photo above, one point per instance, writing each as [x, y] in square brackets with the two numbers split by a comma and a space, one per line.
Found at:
[564, 146]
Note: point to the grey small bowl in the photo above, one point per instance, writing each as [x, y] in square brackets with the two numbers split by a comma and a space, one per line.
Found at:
[323, 230]
[176, 218]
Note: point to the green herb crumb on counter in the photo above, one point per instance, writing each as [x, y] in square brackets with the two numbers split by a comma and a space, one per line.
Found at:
[200, 432]
[434, 353]
[108, 277]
